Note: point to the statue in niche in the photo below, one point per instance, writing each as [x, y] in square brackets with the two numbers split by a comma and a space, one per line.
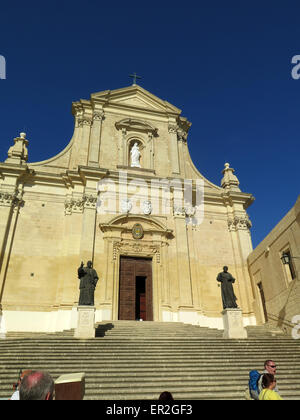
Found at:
[228, 296]
[88, 280]
[135, 156]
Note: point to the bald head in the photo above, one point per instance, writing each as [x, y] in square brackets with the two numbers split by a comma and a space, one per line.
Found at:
[34, 378]
[37, 385]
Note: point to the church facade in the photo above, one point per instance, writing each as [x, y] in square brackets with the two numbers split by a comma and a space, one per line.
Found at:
[125, 195]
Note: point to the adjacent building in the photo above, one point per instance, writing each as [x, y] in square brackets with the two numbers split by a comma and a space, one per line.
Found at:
[276, 286]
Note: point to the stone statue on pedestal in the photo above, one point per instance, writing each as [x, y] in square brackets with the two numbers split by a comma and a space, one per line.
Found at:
[88, 280]
[228, 296]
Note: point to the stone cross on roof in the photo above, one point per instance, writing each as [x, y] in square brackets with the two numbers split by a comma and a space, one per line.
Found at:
[134, 76]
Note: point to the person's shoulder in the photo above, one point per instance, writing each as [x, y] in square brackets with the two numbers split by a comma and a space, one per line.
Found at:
[269, 394]
[265, 394]
[275, 396]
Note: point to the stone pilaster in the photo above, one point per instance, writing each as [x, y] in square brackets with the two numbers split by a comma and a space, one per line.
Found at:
[10, 202]
[95, 139]
[183, 268]
[86, 123]
[174, 148]
[151, 150]
[88, 228]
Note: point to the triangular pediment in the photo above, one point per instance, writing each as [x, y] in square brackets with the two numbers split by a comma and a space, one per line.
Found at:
[135, 97]
[138, 102]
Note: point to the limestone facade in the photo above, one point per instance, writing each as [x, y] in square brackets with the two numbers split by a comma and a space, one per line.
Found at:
[84, 203]
[276, 286]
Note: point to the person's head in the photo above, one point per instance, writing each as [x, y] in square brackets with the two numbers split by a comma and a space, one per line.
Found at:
[21, 376]
[166, 396]
[270, 366]
[37, 385]
[89, 264]
[24, 373]
[225, 268]
[268, 381]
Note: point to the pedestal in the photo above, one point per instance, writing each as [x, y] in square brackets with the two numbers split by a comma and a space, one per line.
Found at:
[233, 323]
[86, 322]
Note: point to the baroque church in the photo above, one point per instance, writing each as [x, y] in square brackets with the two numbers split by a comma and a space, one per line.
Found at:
[125, 195]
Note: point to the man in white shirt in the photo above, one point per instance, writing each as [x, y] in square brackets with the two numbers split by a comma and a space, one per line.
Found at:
[270, 367]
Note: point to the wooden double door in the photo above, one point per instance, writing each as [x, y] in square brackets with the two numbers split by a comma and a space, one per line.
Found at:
[135, 289]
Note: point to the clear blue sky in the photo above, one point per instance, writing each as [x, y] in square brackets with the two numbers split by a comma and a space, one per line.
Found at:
[226, 64]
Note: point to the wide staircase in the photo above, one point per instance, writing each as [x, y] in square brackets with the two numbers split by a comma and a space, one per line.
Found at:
[139, 360]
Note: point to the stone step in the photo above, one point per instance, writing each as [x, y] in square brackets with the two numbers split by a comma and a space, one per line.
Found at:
[151, 354]
[144, 372]
[282, 363]
[118, 365]
[156, 348]
[150, 347]
[171, 329]
[188, 394]
[118, 349]
[149, 343]
[146, 346]
[188, 390]
[200, 384]
[162, 359]
[154, 353]
[163, 339]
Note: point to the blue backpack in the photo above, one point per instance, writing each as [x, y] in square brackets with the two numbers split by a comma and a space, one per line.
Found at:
[254, 376]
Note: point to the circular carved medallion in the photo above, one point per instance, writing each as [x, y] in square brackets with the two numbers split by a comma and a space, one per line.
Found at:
[137, 231]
